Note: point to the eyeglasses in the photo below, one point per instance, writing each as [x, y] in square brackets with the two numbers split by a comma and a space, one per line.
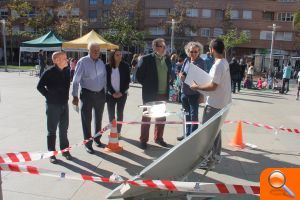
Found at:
[194, 51]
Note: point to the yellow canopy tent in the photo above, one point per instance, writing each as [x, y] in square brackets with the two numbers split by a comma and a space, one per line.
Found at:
[80, 44]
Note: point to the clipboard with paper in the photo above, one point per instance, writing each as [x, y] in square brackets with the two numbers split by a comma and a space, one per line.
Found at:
[198, 75]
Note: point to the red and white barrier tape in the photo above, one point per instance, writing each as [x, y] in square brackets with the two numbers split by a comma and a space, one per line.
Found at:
[296, 131]
[289, 130]
[167, 122]
[197, 187]
[33, 156]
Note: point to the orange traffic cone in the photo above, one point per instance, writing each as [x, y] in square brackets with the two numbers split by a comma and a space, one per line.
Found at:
[238, 138]
[113, 140]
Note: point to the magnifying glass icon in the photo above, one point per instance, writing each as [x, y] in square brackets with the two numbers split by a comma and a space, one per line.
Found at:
[277, 180]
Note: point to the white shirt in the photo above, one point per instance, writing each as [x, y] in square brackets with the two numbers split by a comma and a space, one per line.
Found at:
[250, 70]
[115, 79]
[220, 74]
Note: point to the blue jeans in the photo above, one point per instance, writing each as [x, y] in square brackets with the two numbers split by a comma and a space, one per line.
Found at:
[208, 113]
[57, 115]
[190, 105]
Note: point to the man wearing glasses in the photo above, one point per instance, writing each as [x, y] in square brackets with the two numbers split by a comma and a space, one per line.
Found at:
[154, 73]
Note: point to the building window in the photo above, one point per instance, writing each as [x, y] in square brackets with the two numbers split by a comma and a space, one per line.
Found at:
[205, 32]
[107, 2]
[106, 13]
[218, 32]
[29, 29]
[16, 28]
[247, 14]
[93, 15]
[62, 12]
[158, 12]
[285, 17]
[265, 35]
[219, 14]
[206, 13]
[247, 32]
[189, 32]
[3, 13]
[284, 36]
[157, 31]
[75, 12]
[93, 2]
[191, 12]
[234, 14]
[268, 15]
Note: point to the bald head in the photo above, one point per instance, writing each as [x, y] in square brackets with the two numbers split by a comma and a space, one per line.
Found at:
[59, 58]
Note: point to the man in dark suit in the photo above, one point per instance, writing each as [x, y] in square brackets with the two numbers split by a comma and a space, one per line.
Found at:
[154, 73]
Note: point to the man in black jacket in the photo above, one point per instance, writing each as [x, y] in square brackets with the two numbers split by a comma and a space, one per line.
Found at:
[54, 85]
[154, 73]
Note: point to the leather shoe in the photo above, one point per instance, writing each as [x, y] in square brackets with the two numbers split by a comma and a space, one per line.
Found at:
[161, 143]
[53, 160]
[99, 144]
[180, 138]
[67, 155]
[90, 150]
[143, 145]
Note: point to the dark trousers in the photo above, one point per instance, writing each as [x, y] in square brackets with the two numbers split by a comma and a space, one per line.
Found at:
[91, 101]
[42, 69]
[111, 108]
[287, 82]
[159, 128]
[190, 105]
[57, 115]
[233, 85]
[208, 113]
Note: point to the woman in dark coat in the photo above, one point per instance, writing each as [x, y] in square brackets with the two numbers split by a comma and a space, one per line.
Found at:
[118, 79]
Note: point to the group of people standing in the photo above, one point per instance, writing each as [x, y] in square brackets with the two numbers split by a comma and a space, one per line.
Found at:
[100, 83]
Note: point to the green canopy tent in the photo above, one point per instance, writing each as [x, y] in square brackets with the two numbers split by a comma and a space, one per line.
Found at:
[47, 42]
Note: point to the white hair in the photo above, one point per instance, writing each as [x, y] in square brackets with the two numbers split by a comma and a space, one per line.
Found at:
[191, 45]
[91, 44]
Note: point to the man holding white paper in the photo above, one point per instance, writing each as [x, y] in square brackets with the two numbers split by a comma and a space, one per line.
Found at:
[219, 95]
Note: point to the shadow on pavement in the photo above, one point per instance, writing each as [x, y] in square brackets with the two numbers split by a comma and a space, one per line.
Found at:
[132, 169]
[96, 171]
[263, 95]
[251, 100]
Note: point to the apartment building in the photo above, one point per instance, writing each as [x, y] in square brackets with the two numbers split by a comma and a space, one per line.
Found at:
[254, 17]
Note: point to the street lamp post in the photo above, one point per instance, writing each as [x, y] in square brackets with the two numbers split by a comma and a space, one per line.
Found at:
[4, 43]
[173, 22]
[272, 44]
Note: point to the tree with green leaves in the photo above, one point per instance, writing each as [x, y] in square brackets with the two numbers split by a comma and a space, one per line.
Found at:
[296, 20]
[231, 37]
[123, 24]
[296, 27]
[44, 19]
[18, 9]
[65, 25]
